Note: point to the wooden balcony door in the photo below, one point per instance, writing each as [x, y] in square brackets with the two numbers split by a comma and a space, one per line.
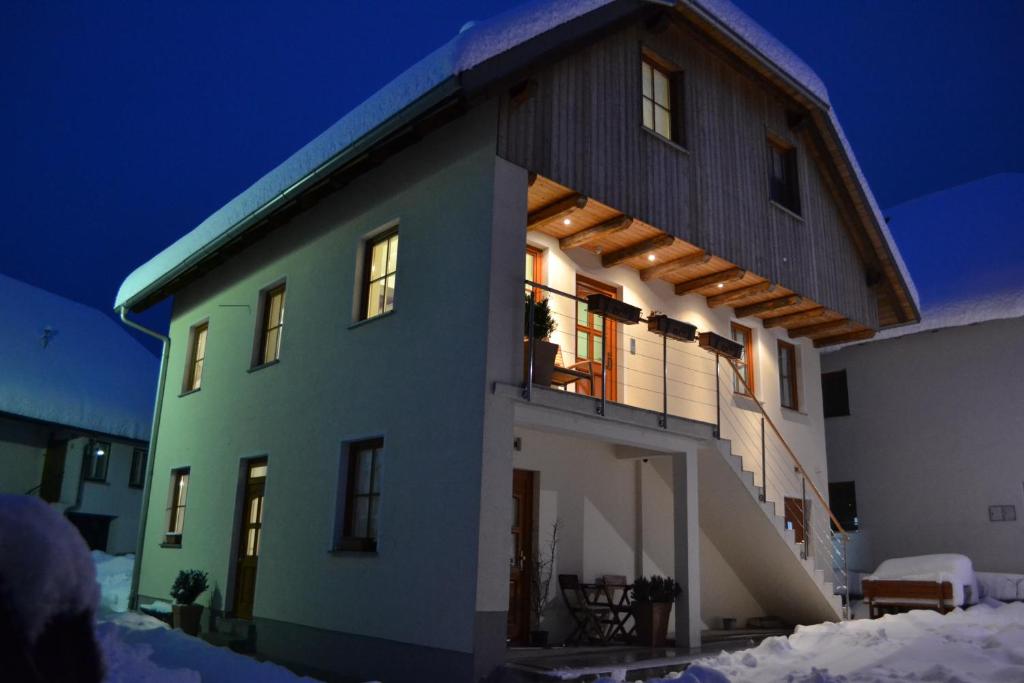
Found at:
[794, 509]
[519, 614]
[250, 537]
[588, 338]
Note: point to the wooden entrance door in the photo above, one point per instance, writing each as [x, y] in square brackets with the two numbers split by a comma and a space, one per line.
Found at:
[250, 537]
[588, 338]
[522, 556]
[795, 517]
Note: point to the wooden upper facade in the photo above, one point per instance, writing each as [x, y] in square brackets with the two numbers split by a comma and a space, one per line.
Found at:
[700, 201]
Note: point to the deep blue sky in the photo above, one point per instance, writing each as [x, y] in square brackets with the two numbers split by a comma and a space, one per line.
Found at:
[125, 124]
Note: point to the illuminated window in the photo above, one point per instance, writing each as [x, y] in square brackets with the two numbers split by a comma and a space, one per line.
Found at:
[362, 497]
[176, 500]
[137, 474]
[784, 186]
[662, 99]
[271, 326]
[788, 393]
[196, 357]
[745, 337]
[97, 457]
[379, 274]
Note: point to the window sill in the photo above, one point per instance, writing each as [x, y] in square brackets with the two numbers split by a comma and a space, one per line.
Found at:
[264, 365]
[745, 402]
[360, 323]
[338, 552]
[784, 209]
[190, 392]
[87, 480]
[171, 545]
[667, 141]
[137, 487]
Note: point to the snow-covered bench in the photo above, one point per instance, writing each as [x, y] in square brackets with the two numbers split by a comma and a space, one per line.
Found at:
[938, 582]
[1000, 586]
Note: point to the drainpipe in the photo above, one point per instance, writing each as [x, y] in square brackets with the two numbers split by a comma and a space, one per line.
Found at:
[147, 489]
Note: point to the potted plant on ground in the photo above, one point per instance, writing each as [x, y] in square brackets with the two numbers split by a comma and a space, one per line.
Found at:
[652, 602]
[544, 352]
[189, 585]
[542, 569]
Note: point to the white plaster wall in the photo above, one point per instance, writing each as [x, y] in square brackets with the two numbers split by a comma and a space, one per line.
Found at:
[22, 449]
[416, 376]
[113, 497]
[933, 438]
[691, 371]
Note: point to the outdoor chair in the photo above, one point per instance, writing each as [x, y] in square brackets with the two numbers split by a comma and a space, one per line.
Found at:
[594, 622]
[615, 591]
[580, 373]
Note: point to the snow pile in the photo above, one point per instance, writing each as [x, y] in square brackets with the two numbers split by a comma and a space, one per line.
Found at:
[114, 576]
[980, 644]
[1000, 586]
[72, 365]
[141, 649]
[45, 568]
[956, 569]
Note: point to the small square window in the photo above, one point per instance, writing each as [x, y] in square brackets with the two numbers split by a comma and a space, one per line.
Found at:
[835, 396]
[97, 457]
[137, 474]
[176, 499]
[362, 497]
[271, 326]
[661, 100]
[784, 185]
[380, 273]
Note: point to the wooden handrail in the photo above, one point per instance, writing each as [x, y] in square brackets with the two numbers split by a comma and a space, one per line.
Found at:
[796, 460]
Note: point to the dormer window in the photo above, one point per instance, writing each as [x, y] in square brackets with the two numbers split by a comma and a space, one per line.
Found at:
[662, 98]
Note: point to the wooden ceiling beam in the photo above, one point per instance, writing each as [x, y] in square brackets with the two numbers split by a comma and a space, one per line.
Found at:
[770, 305]
[556, 210]
[793, 318]
[820, 328]
[738, 294]
[609, 227]
[718, 278]
[616, 257]
[698, 258]
[857, 335]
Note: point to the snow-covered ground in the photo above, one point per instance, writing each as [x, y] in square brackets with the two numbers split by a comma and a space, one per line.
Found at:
[141, 649]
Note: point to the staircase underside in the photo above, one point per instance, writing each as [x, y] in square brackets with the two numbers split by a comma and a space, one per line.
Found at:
[754, 541]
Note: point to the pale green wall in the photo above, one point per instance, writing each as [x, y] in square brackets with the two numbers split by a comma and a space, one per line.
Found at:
[416, 377]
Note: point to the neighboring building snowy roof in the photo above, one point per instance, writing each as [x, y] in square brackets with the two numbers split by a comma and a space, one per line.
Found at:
[69, 364]
[957, 313]
[475, 44]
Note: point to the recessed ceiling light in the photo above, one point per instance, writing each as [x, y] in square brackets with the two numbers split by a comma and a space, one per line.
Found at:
[650, 257]
[567, 221]
[720, 285]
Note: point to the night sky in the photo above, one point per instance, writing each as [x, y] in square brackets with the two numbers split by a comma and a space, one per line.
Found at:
[126, 124]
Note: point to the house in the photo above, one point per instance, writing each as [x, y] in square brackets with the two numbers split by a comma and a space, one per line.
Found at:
[924, 421]
[76, 396]
[368, 478]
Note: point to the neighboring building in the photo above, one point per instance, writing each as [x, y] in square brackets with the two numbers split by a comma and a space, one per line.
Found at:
[676, 158]
[76, 397]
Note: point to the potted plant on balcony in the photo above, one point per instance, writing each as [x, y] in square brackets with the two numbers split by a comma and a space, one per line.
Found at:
[652, 603]
[189, 585]
[542, 569]
[544, 351]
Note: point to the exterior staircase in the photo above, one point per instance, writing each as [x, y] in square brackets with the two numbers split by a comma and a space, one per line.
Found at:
[753, 538]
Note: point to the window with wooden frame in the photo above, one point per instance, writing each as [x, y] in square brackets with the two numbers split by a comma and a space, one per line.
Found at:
[784, 185]
[176, 500]
[535, 270]
[789, 396]
[380, 272]
[662, 98]
[271, 326]
[744, 336]
[362, 497]
[137, 473]
[196, 357]
[97, 457]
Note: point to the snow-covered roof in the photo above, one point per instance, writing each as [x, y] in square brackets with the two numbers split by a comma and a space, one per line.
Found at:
[474, 45]
[72, 365]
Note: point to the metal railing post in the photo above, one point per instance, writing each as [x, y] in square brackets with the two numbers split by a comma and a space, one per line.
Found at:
[663, 420]
[764, 468]
[604, 366]
[718, 398]
[846, 576]
[528, 389]
[803, 514]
